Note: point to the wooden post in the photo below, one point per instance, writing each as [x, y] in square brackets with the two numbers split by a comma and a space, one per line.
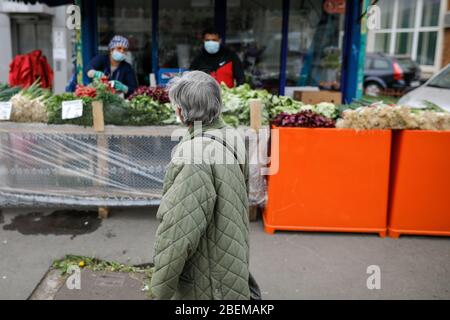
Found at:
[103, 212]
[255, 114]
[99, 127]
[255, 123]
[97, 115]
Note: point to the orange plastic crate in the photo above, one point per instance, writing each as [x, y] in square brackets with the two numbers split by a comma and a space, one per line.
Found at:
[420, 183]
[330, 180]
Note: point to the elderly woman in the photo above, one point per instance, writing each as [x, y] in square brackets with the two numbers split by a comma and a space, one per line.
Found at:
[202, 248]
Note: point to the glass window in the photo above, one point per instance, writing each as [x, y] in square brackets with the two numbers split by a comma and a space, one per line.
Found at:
[181, 24]
[131, 19]
[403, 43]
[387, 10]
[315, 42]
[254, 33]
[382, 42]
[426, 49]
[430, 15]
[381, 64]
[406, 13]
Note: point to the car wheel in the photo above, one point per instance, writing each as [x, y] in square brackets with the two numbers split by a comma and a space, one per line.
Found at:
[372, 89]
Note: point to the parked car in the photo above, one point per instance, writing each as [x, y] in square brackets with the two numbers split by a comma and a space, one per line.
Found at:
[436, 90]
[387, 72]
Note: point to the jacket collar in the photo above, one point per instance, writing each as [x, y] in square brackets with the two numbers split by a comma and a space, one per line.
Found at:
[216, 124]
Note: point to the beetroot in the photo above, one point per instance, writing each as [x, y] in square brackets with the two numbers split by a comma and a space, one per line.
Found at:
[156, 93]
[305, 119]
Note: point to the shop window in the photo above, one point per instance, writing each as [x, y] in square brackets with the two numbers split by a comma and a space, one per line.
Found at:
[409, 31]
[430, 15]
[406, 13]
[254, 33]
[131, 19]
[387, 10]
[382, 42]
[181, 24]
[315, 42]
[426, 50]
[404, 43]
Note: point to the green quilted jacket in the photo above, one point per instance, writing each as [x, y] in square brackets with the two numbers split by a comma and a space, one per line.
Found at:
[202, 242]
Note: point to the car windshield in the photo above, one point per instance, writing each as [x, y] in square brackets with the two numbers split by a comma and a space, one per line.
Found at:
[442, 80]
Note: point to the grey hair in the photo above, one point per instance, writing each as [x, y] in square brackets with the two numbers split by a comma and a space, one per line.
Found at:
[198, 95]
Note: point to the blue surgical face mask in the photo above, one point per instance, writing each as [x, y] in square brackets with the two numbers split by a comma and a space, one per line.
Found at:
[118, 56]
[212, 47]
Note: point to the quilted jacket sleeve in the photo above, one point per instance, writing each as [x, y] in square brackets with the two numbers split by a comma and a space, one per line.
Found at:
[186, 208]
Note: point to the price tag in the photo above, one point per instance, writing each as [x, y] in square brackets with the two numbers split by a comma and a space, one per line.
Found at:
[5, 110]
[72, 109]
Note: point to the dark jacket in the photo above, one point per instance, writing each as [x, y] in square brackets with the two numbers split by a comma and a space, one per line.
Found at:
[210, 63]
[124, 72]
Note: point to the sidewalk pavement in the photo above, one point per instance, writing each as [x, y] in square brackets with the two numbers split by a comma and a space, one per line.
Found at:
[287, 265]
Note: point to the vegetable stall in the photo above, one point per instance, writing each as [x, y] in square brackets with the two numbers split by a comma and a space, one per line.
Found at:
[377, 168]
[363, 167]
[50, 158]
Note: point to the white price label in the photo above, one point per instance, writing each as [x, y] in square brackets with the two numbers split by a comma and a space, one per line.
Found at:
[5, 110]
[72, 109]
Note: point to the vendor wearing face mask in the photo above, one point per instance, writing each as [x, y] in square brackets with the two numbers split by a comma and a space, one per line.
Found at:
[114, 67]
[218, 61]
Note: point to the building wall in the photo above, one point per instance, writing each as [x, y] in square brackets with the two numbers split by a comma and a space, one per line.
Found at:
[416, 29]
[62, 47]
[5, 47]
[446, 41]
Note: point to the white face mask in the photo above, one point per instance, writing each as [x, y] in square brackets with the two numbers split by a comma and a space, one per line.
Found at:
[212, 46]
[118, 56]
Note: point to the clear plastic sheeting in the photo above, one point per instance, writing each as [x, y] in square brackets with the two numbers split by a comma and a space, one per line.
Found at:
[66, 165]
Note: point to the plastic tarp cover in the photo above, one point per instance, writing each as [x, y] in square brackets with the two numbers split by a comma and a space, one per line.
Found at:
[55, 165]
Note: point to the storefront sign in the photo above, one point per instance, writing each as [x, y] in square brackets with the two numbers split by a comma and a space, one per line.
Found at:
[72, 109]
[334, 6]
[5, 110]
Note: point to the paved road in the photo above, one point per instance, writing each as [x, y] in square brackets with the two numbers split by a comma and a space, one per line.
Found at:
[288, 265]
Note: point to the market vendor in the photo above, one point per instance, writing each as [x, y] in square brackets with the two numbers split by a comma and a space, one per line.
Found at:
[114, 67]
[218, 61]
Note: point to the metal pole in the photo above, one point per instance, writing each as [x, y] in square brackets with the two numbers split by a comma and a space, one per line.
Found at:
[155, 35]
[284, 47]
[351, 50]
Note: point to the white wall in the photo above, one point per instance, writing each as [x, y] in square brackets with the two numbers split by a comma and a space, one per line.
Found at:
[5, 47]
[62, 66]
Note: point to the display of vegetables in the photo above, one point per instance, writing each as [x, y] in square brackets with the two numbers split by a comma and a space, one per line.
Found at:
[156, 93]
[28, 105]
[7, 92]
[326, 109]
[85, 91]
[236, 104]
[151, 106]
[304, 119]
[382, 116]
[147, 111]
